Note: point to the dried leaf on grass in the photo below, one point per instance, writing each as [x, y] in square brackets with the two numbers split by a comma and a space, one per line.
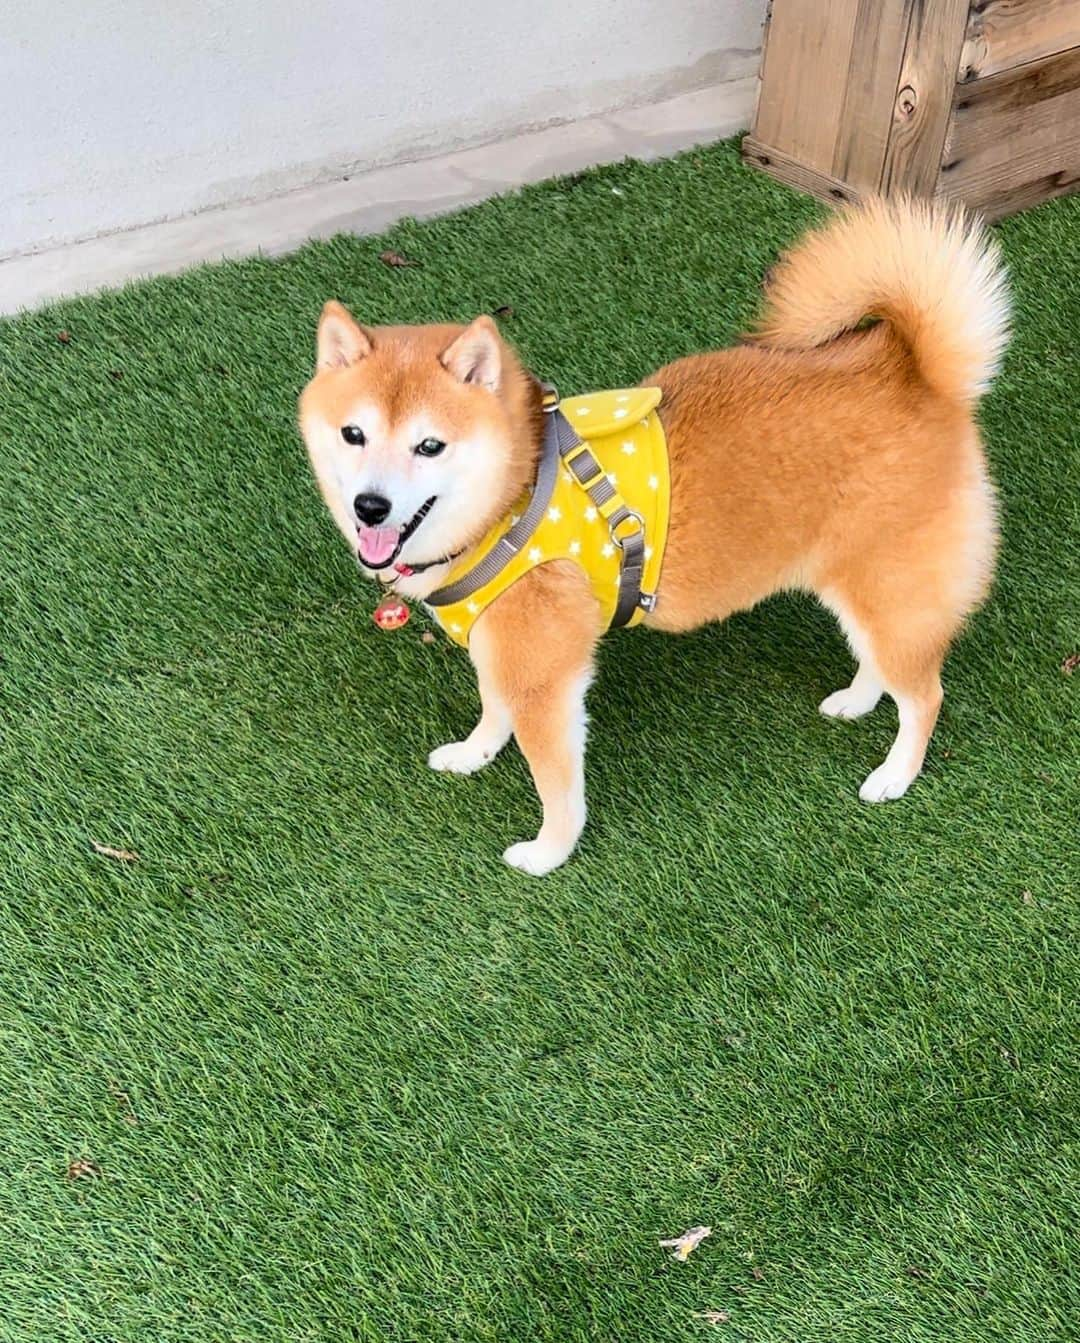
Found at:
[506, 310]
[121, 855]
[82, 1169]
[682, 1247]
[64, 337]
[396, 260]
[1070, 663]
[713, 1316]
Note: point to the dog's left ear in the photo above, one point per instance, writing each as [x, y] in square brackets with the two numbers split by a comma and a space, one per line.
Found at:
[476, 355]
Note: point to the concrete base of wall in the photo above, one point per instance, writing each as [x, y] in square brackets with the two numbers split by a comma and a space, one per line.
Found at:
[373, 200]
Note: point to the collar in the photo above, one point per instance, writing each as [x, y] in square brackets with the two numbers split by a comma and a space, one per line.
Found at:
[407, 570]
[399, 571]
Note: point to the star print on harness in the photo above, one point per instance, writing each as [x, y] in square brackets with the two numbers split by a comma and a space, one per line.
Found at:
[600, 500]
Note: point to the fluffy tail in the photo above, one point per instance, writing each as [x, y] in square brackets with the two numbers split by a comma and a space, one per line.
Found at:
[927, 269]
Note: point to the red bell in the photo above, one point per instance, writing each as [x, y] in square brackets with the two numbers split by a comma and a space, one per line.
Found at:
[391, 613]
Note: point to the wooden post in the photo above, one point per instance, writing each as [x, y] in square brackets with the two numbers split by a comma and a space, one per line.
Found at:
[977, 100]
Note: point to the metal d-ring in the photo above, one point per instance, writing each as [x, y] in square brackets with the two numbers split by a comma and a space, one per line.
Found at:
[620, 541]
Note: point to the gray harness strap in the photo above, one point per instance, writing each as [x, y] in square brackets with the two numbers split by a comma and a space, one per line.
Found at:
[560, 441]
[631, 573]
[591, 477]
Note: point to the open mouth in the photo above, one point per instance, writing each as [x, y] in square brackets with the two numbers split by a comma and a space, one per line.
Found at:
[376, 547]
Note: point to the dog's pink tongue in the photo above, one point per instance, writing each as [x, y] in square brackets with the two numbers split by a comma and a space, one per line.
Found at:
[377, 544]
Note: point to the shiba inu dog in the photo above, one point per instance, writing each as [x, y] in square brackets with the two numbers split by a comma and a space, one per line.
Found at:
[822, 453]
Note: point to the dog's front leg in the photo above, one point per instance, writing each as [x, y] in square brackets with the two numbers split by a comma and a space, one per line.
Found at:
[493, 730]
[533, 652]
[533, 649]
[549, 724]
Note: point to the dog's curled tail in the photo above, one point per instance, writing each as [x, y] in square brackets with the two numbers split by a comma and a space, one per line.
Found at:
[927, 269]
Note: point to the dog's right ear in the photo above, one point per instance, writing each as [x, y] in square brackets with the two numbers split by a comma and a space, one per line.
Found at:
[341, 340]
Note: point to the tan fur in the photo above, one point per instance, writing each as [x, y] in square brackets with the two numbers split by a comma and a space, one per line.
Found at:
[842, 462]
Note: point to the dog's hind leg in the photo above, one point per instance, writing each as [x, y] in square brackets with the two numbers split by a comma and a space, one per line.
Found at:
[855, 699]
[901, 603]
[900, 635]
[866, 688]
[918, 704]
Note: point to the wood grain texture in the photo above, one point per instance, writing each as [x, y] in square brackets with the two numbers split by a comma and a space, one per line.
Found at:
[997, 115]
[1005, 33]
[1015, 134]
[924, 98]
[1004, 189]
[803, 77]
[787, 169]
[877, 49]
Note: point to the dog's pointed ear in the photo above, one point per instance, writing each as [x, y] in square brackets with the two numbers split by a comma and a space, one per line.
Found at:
[476, 355]
[341, 340]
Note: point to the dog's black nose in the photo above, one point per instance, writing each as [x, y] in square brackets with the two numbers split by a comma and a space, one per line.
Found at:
[372, 508]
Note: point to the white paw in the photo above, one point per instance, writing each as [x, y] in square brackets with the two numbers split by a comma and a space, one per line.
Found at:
[459, 757]
[536, 857]
[885, 783]
[847, 703]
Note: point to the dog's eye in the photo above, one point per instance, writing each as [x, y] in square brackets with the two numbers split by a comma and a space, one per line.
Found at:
[352, 433]
[430, 447]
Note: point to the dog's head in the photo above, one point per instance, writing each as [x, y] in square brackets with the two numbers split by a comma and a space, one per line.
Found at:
[421, 437]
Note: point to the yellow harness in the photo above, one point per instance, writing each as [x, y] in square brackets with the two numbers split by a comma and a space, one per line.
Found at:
[601, 500]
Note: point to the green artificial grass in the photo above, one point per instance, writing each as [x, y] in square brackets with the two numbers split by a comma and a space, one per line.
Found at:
[338, 1074]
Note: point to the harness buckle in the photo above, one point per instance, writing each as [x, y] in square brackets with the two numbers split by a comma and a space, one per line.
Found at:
[550, 399]
[578, 459]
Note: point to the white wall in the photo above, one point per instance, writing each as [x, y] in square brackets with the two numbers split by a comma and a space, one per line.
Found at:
[116, 113]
